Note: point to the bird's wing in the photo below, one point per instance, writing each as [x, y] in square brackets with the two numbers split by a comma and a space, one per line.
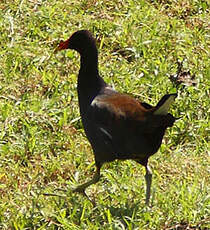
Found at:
[120, 111]
[113, 118]
[116, 109]
[122, 125]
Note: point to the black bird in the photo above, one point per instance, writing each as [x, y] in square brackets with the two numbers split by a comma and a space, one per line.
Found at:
[116, 125]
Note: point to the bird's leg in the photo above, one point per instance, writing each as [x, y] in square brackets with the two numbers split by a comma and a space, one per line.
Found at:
[81, 188]
[148, 178]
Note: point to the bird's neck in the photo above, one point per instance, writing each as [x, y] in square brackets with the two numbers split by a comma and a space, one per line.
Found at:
[89, 63]
[89, 81]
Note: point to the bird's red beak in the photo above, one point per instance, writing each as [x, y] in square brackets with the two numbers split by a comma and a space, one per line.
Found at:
[62, 45]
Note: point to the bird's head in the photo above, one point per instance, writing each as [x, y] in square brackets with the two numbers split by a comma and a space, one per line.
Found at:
[80, 41]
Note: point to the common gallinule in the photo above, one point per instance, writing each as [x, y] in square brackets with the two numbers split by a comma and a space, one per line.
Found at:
[116, 125]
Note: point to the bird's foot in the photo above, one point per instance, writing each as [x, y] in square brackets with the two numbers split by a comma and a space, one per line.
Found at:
[81, 189]
[54, 194]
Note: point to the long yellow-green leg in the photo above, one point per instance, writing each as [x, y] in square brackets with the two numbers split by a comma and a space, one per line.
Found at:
[148, 178]
[81, 188]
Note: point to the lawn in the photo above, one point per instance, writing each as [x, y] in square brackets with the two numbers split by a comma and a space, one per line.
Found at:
[43, 148]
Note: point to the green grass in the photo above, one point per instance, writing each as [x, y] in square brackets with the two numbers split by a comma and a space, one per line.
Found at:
[42, 143]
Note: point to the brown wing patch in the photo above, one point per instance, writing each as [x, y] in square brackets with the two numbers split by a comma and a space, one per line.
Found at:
[123, 106]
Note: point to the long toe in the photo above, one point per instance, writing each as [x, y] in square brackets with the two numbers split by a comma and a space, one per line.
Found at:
[81, 190]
